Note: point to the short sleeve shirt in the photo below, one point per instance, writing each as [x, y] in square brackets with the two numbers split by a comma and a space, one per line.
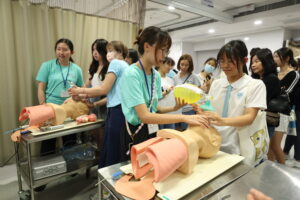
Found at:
[134, 92]
[53, 74]
[114, 96]
[246, 93]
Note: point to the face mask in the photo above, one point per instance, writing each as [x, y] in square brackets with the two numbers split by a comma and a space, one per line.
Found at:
[110, 56]
[208, 68]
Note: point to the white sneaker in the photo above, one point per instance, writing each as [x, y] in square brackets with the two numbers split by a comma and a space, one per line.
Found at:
[287, 157]
[297, 164]
[290, 163]
[293, 163]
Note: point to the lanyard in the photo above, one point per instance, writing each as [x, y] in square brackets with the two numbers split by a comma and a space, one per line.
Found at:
[152, 83]
[65, 80]
[187, 78]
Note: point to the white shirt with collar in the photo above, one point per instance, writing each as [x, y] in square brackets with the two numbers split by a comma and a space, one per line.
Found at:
[246, 93]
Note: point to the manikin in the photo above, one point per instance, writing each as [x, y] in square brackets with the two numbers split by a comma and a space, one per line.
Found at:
[51, 114]
[171, 150]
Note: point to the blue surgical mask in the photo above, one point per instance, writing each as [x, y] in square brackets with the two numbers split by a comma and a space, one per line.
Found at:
[208, 68]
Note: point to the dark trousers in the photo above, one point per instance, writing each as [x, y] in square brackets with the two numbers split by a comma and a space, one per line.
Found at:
[294, 140]
[114, 127]
[127, 141]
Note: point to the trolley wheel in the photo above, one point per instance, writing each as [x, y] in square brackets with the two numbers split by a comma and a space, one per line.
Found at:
[24, 195]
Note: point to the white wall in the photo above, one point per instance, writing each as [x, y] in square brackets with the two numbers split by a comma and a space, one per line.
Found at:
[209, 45]
[202, 56]
[188, 48]
[296, 35]
[176, 51]
[200, 51]
[270, 39]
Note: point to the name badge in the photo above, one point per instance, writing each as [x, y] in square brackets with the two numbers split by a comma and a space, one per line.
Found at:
[152, 128]
[64, 93]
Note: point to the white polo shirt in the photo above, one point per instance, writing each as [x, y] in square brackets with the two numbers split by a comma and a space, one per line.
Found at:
[246, 93]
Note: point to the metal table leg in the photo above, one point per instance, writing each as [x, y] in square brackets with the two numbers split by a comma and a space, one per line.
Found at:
[16, 145]
[28, 147]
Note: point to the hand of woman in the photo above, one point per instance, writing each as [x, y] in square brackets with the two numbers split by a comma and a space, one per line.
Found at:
[214, 118]
[199, 120]
[170, 89]
[88, 103]
[75, 91]
[179, 103]
[257, 195]
[197, 108]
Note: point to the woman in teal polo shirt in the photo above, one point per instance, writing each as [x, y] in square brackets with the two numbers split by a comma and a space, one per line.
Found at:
[54, 78]
[141, 90]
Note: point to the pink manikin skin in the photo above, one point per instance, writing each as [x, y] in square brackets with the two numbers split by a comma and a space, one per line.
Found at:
[141, 190]
[37, 114]
[136, 152]
[200, 142]
[171, 150]
[166, 156]
[52, 114]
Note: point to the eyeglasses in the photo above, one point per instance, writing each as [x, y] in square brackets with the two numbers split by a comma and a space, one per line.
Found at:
[229, 62]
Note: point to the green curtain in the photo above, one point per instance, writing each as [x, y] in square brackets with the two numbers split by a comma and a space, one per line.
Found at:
[27, 38]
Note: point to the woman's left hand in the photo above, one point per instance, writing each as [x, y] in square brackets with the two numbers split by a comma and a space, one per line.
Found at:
[215, 118]
[179, 103]
[88, 103]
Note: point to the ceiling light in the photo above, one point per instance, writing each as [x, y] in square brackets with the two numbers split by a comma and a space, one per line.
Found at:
[171, 7]
[257, 22]
[246, 38]
[211, 30]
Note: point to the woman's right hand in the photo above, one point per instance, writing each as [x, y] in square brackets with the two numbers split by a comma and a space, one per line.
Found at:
[199, 120]
[75, 91]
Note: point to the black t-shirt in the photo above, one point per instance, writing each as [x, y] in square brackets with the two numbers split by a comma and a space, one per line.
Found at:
[272, 84]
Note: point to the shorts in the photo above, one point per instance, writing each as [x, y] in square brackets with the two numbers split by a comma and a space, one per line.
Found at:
[283, 123]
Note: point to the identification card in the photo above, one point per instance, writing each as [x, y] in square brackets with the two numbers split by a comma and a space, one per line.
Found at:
[64, 93]
[152, 128]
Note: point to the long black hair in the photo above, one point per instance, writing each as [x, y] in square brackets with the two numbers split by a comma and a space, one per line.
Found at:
[133, 54]
[285, 53]
[265, 56]
[68, 43]
[234, 50]
[101, 48]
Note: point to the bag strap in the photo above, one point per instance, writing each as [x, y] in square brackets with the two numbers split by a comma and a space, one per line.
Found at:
[289, 90]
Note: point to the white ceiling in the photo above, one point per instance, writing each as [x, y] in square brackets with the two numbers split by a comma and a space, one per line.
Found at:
[285, 17]
[191, 12]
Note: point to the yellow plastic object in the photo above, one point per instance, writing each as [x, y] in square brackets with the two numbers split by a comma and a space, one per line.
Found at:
[189, 93]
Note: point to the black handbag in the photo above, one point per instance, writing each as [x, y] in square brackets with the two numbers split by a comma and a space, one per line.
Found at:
[281, 103]
[272, 119]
